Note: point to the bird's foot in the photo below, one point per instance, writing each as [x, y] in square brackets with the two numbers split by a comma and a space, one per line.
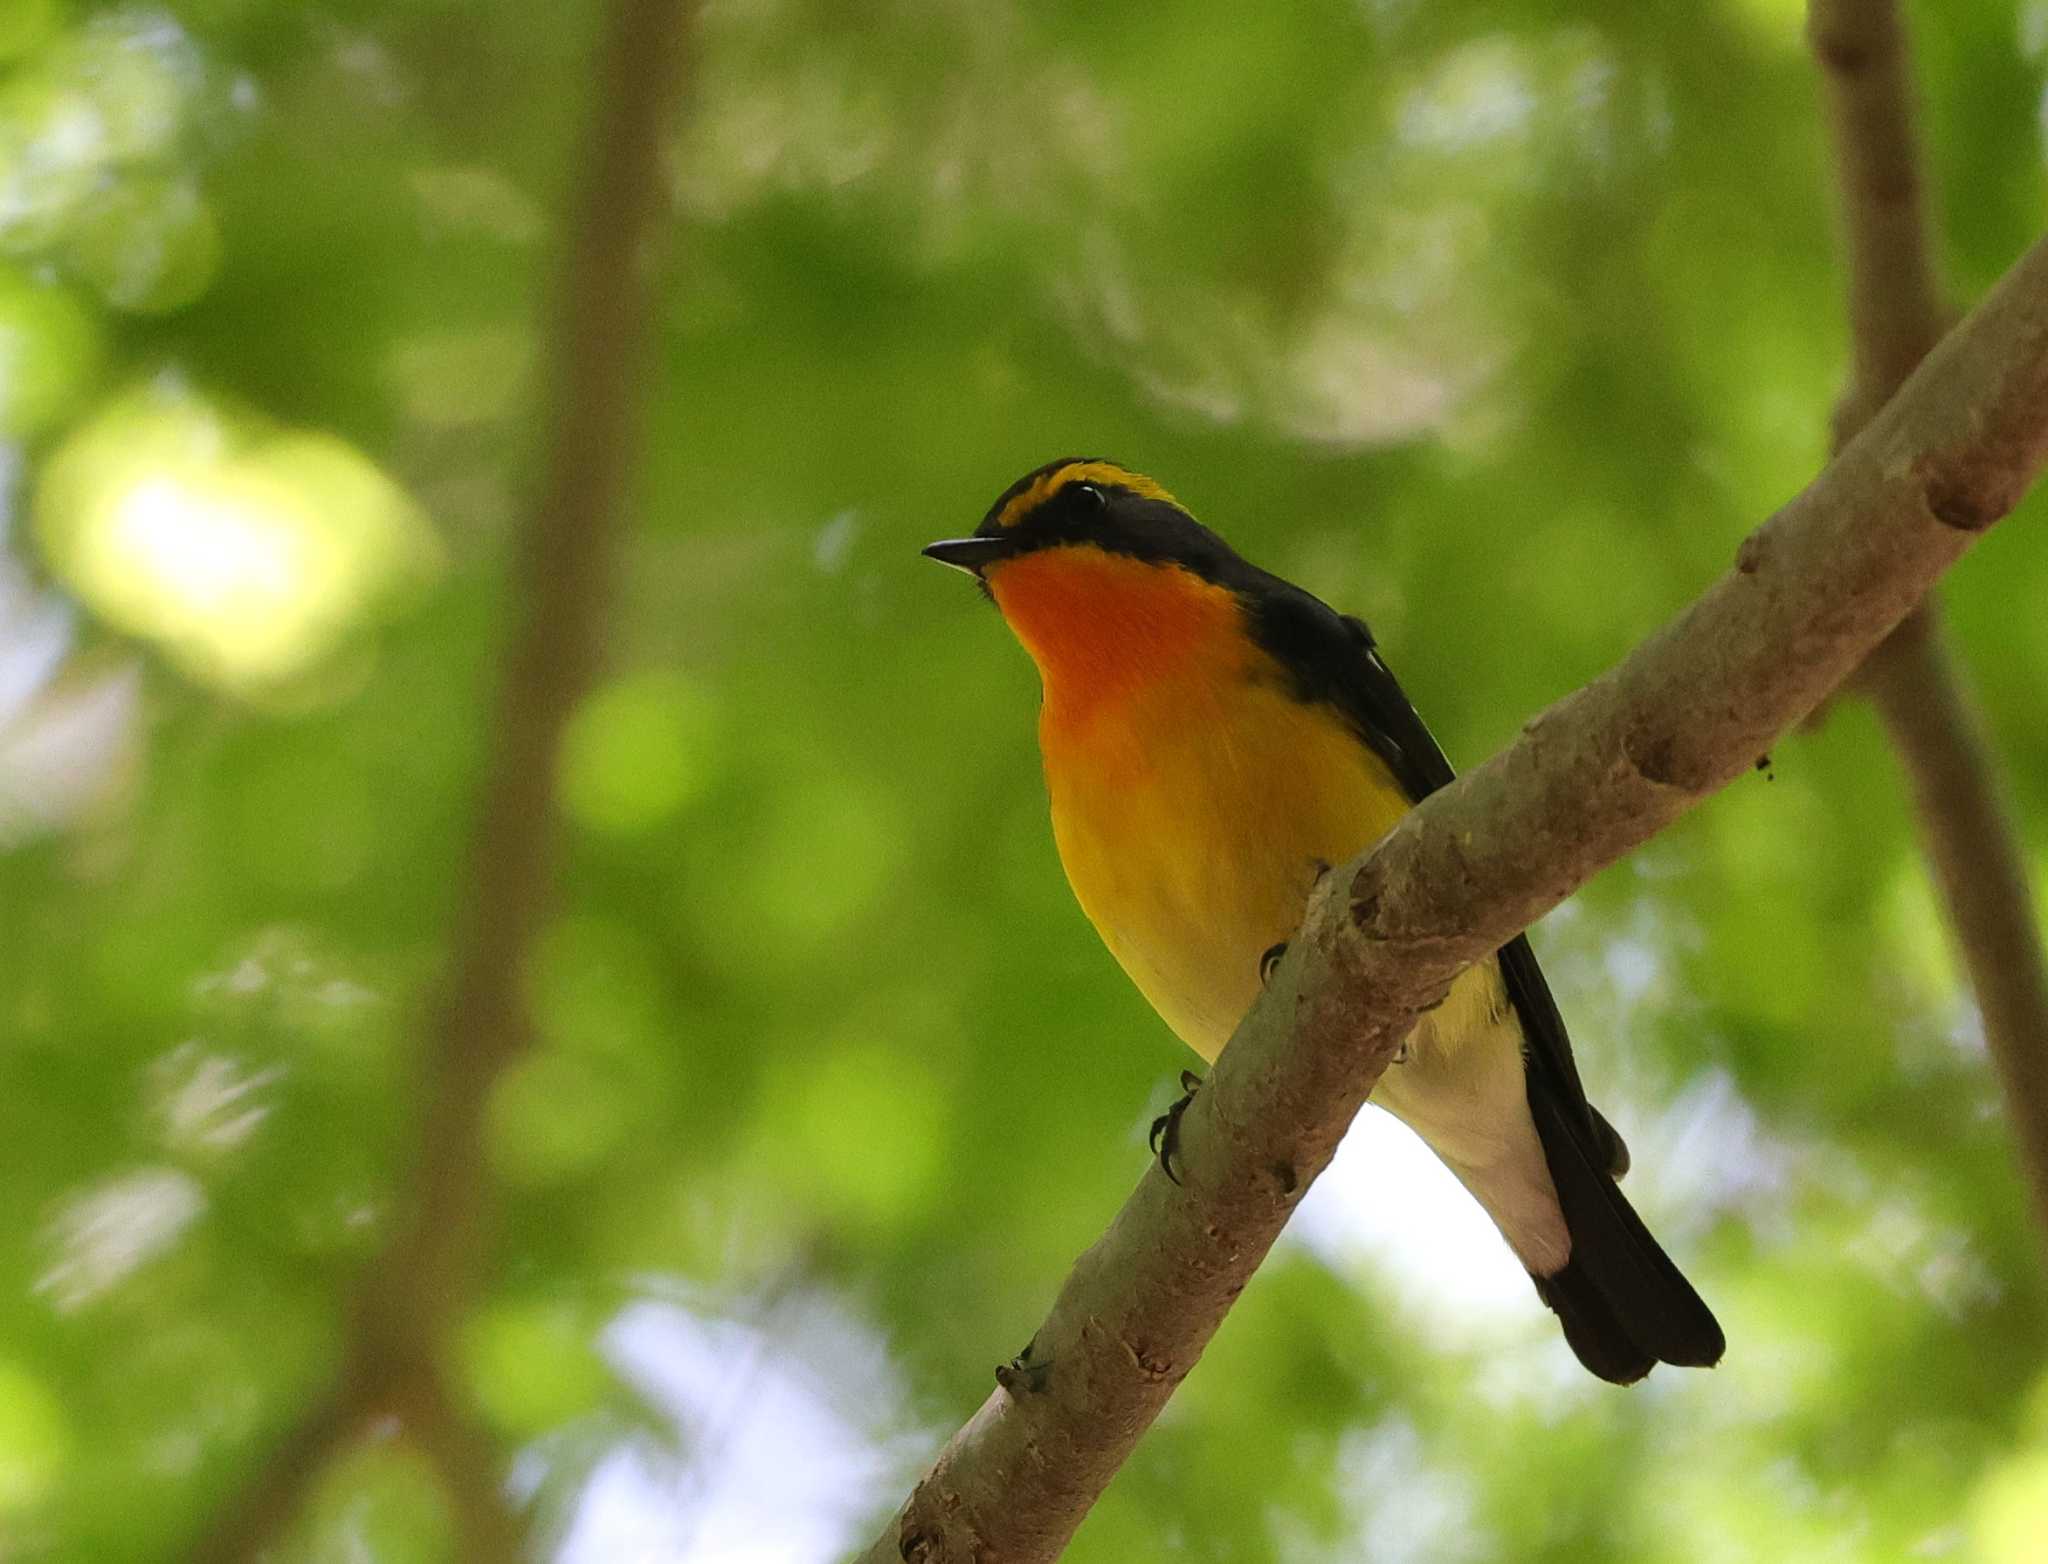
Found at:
[1165, 1137]
[1022, 1377]
[1406, 1050]
[1269, 963]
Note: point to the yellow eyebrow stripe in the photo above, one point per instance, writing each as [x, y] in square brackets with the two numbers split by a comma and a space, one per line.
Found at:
[1043, 489]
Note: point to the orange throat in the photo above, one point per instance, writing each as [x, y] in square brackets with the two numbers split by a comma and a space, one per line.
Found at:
[1103, 627]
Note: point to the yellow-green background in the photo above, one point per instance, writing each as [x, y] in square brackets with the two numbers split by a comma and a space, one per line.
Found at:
[1497, 323]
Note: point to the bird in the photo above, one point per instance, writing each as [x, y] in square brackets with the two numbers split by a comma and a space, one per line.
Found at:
[1214, 738]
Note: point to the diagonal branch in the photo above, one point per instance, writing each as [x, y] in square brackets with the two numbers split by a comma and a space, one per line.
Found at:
[1812, 592]
[391, 1364]
[1965, 826]
[1966, 830]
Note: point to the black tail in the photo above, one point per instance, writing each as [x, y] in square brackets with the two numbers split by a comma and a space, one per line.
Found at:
[1624, 1306]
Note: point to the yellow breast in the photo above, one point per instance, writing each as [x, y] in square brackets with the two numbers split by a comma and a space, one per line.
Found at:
[1193, 821]
[1194, 799]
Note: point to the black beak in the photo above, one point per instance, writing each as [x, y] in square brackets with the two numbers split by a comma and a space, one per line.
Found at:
[969, 554]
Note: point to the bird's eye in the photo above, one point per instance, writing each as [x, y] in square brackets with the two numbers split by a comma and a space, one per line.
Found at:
[1092, 497]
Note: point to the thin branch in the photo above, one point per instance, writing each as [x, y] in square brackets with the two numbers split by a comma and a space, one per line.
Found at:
[1895, 309]
[416, 1289]
[263, 1507]
[1965, 829]
[1589, 780]
[437, 1418]
[595, 374]
[1913, 682]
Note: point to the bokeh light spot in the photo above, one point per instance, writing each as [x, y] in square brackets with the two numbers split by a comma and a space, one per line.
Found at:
[34, 1439]
[1781, 22]
[141, 72]
[829, 848]
[461, 379]
[104, 105]
[554, 1116]
[2010, 1515]
[636, 752]
[53, 144]
[246, 554]
[382, 1502]
[149, 245]
[784, 1420]
[593, 985]
[860, 1127]
[532, 1364]
[103, 1235]
[50, 349]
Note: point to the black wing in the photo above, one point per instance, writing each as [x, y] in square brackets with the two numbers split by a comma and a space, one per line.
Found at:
[1333, 659]
[1623, 1304]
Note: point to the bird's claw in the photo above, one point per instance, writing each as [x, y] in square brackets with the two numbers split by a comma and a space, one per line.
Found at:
[1165, 1137]
[1269, 963]
[1020, 1376]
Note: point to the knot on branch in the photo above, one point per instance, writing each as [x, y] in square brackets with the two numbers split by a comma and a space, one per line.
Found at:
[932, 1527]
[1658, 755]
[1148, 1363]
[1373, 909]
[1957, 503]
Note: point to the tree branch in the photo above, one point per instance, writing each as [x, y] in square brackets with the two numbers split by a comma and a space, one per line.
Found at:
[1895, 309]
[392, 1361]
[1965, 827]
[1598, 774]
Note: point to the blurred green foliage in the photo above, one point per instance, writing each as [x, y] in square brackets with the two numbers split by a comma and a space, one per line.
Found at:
[1499, 324]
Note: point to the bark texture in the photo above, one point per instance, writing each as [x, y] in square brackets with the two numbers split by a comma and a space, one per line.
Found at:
[1811, 593]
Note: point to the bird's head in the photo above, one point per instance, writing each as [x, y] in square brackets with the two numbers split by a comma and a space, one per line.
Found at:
[1104, 577]
[1083, 503]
